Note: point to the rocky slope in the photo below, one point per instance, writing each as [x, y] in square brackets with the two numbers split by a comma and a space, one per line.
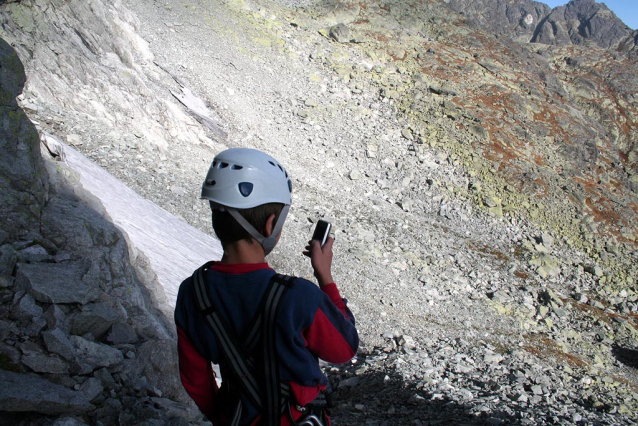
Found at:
[81, 337]
[483, 187]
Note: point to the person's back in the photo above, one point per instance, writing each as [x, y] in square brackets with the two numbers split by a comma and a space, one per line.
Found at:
[265, 330]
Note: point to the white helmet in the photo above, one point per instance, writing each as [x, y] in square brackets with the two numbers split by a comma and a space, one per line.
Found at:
[243, 178]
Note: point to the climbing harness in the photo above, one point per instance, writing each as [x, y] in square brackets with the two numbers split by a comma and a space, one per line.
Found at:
[252, 363]
[314, 412]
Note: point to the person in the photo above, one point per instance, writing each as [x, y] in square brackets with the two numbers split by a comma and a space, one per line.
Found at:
[265, 331]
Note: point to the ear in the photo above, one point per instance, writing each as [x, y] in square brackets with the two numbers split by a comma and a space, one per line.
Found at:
[270, 224]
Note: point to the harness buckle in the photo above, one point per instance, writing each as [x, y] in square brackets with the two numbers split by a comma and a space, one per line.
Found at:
[310, 420]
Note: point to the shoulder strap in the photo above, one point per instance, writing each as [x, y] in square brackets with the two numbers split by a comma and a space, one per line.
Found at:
[278, 285]
[230, 347]
[239, 356]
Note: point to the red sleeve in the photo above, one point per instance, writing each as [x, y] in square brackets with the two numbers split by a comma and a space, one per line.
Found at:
[332, 335]
[335, 297]
[325, 340]
[197, 375]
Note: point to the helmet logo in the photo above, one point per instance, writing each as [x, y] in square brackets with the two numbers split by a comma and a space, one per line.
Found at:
[245, 188]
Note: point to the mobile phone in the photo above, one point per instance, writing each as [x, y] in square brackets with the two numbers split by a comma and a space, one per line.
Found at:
[322, 230]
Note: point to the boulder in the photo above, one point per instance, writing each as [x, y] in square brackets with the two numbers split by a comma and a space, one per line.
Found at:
[154, 360]
[121, 333]
[8, 259]
[92, 388]
[29, 393]
[26, 309]
[96, 318]
[66, 282]
[41, 363]
[56, 341]
[91, 355]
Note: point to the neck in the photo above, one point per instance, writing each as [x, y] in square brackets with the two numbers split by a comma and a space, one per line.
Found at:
[243, 252]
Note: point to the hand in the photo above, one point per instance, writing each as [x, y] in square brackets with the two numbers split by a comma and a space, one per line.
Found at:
[321, 260]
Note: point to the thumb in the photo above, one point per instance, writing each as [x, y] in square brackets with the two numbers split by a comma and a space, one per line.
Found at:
[328, 245]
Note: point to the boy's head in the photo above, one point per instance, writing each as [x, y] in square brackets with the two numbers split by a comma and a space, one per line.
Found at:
[245, 187]
[229, 231]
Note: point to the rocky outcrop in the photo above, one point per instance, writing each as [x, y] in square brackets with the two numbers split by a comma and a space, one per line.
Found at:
[22, 202]
[578, 22]
[582, 21]
[81, 339]
[515, 19]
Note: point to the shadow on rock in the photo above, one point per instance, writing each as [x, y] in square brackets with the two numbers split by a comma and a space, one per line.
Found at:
[384, 398]
[627, 356]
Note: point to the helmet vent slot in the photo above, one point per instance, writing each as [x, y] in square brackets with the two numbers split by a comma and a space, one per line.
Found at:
[245, 188]
[236, 167]
[271, 163]
[211, 182]
[223, 165]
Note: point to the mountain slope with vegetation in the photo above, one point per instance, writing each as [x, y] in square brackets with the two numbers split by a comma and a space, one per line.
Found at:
[477, 158]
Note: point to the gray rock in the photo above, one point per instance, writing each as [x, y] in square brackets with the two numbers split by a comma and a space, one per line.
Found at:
[56, 318]
[105, 377]
[66, 282]
[340, 33]
[41, 363]
[68, 421]
[8, 259]
[27, 309]
[155, 360]
[11, 357]
[349, 382]
[30, 393]
[96, 318]
[355, 175]
[5, 330]
[121, 333]
[56, 341]
[92, 356]
[582, 22]
[547, 240]
[177, 410]
[32, 254]
[92, 388]
[6, 281]
[23, 177]
[581, 297]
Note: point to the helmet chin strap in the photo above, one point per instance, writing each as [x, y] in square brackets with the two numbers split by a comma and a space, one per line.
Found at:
[268, 243]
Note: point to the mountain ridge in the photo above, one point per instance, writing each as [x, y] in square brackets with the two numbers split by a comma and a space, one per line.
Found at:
[577, 22]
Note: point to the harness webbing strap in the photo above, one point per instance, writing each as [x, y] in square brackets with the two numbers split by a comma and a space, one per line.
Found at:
[231, 349]
[271, 366]
[237, 415]
[240, 357]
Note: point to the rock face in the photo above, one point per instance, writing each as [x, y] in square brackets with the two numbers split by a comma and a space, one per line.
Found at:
[517, 19]
[80, 334]
[31, 393]
[21, 168]
[578, 22]
[581, 21]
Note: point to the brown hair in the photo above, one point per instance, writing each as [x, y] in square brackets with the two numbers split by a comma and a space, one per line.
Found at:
[229, 231]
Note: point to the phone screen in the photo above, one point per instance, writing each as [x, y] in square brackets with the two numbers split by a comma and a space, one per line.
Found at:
[322, 230]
